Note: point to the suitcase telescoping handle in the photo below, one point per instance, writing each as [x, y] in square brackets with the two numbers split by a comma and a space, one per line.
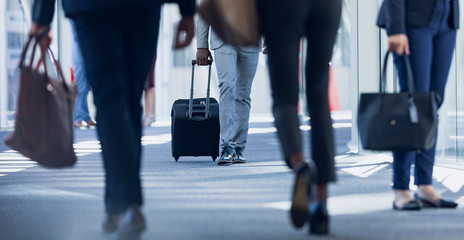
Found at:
[194, 62]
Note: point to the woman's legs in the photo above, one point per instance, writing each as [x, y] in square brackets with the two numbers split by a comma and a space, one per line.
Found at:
[321, 28]
[443, 48]
[401, 176]
[149, 99]
[431, 54]
[421, 56]
[283, 26]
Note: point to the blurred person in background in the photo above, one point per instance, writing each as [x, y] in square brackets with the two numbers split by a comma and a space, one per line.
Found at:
[149, 97]
[236, 68]
[118, 40]
[81, 107]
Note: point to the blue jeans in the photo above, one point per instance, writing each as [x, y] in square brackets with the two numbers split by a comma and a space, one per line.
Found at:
[81, 107]
[431, 50]
[236, 70]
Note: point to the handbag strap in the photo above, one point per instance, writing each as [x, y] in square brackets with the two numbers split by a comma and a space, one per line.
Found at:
[58, 69]
[413, 112]
[409, 76]
[42, 58]
[23, 54]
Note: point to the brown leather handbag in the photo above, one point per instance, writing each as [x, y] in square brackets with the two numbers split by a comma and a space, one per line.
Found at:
[235, 22]
[43, 128]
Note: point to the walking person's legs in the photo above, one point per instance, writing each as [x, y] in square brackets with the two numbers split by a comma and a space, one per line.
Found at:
[246, 68]
[106, 38]
[81, 108]
[149, 100]
[149, 97]
[282, 29]
[321, 29]
[283, 33]
[226, 66]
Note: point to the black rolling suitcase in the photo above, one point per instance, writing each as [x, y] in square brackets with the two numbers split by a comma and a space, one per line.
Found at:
[195, 124]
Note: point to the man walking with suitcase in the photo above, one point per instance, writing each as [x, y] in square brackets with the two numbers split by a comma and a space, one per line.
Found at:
[236, 68]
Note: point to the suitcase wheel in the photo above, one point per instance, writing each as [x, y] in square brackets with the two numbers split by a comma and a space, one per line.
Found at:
[176, 158]
[214, 158]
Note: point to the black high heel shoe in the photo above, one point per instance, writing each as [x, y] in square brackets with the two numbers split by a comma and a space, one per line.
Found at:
[319, 218]
[304, 178]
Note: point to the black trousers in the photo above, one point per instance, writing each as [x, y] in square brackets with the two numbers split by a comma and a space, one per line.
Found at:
[118, 46]
[283, 25]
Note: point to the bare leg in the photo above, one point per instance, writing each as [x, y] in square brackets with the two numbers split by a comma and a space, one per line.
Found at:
[427, 192]
[402, 196]
[149, 107]
[322, 194]
[296, 161]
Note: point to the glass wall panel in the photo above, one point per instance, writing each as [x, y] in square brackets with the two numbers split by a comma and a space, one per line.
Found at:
[447, 128]
[15, 35]
[365, 58]
[451, 142]
[341, 63]
[341, 79]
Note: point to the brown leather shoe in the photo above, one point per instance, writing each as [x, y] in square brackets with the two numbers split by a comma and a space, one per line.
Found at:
[91, 123]
[132, 224]
[110, 222]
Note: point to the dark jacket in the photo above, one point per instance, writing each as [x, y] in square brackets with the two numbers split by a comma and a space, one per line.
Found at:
[42, 10]
[396, 15]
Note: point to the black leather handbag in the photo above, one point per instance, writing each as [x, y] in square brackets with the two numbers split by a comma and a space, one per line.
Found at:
[398, 121]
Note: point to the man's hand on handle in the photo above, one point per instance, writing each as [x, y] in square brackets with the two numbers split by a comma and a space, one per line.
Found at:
[203, 55]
